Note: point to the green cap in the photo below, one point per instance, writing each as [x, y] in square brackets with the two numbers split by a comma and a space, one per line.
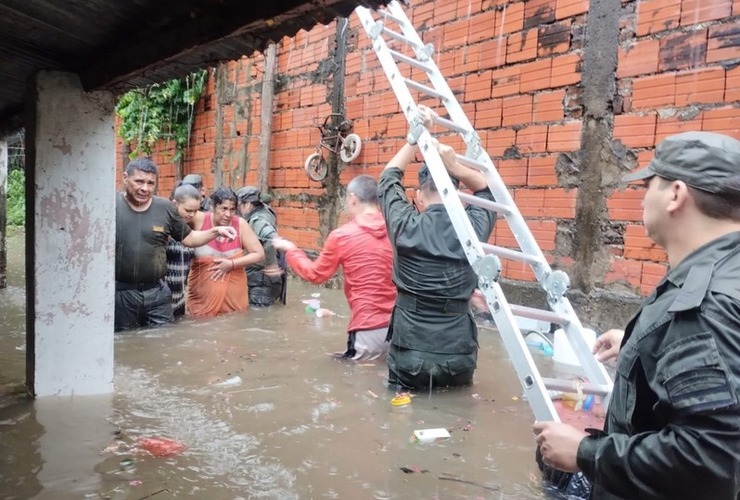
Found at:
[248, 194]
[703, 160]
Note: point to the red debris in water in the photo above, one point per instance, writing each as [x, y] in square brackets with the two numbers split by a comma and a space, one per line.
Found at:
[160, 447]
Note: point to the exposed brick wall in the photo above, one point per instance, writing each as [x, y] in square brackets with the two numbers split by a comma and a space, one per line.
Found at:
[517, 68]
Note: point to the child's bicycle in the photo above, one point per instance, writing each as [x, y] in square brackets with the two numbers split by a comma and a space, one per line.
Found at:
[334, 138]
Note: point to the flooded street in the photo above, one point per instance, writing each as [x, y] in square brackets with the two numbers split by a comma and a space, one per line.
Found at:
[263, 411]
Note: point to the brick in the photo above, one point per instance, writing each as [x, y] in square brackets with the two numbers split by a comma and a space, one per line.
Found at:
[701, 11]
[724, 120]
[541, 171]
[535, 75]
[565, 137]
[639, 59]
[517, 110]
[651, 92]
[505, 81]
[553, 39]
[570, 8]
[521, 46]
[626, 271]
[635, 131]
[676, 125]
[682, 50]
[639, 246]
[510, 19]
[544, 232]
[498, 141]
[705, 85]
[488, 113]
[478, 86]
[455, 33]
[724, 43]
[626, 205]
[532, 139]
[548, 106]
[657, 15]
[732, 84]
[480, 26]
[652, 274]
[538, 12]
[565, 70]
[492, 53]
[444, 12]
[513, 171]
[546, 202]
[518, 271]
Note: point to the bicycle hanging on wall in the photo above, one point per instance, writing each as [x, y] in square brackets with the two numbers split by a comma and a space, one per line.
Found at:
[336, 139]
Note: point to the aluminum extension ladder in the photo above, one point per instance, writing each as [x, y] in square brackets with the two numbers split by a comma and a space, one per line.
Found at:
[483, 257]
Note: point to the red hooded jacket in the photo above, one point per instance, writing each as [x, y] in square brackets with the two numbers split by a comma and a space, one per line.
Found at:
[363, 250]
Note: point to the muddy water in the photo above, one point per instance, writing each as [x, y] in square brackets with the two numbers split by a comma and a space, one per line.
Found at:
[263, 412]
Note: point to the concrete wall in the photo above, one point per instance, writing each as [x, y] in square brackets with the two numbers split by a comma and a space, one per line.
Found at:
[567, 95]
[71, 238]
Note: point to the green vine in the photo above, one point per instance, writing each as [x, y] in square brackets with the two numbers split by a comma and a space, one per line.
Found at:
[160, 112]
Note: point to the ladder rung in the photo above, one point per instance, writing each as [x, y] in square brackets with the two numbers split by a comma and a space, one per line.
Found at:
[427, 90]
[409, 60]
[482, 202]
[572, 386]
[388, 15]
[538, 314]
[507, 253]
[397, 36]
[450, 125]
[469, 162]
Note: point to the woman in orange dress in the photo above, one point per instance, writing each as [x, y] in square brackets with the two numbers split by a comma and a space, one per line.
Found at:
[217, 282]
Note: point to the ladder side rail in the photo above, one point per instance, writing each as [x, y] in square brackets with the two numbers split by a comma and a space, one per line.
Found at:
[530, 379]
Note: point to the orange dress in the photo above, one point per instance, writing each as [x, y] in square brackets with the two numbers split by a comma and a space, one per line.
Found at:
[207, 297]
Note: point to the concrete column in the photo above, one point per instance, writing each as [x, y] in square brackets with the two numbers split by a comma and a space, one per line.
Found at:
[3, 212]
[70, 238]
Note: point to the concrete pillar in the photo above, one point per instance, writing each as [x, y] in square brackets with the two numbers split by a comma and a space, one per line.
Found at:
[70, 238]
[3, 212]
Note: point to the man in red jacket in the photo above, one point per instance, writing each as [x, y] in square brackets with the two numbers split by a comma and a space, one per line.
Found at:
[363, 250]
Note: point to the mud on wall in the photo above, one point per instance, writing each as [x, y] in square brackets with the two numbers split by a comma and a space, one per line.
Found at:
[566, 95]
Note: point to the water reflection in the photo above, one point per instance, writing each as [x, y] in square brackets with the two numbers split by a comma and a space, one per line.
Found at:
[265, 412]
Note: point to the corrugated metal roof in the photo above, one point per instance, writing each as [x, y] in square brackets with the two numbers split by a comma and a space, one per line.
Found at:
[122, 44]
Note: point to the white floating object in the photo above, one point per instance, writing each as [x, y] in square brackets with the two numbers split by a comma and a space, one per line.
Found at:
[563, 352]
[430, 435]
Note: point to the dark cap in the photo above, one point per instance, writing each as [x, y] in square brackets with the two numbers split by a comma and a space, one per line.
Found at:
[703, 160]
[194, 180]
[248, 194]
[425, 175]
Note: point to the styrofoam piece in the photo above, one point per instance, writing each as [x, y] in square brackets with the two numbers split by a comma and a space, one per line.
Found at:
[563, 352]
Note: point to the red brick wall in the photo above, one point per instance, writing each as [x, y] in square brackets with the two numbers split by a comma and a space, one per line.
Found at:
[516, 68]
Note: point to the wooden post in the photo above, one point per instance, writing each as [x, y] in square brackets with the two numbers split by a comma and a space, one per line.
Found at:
[268, 90]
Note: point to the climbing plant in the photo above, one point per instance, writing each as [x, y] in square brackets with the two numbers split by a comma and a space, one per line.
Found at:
[160, 112]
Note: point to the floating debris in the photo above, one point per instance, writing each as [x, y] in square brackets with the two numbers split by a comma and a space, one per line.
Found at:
[160, 447]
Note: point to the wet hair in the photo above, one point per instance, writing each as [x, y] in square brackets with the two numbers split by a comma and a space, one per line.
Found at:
[723, 205]
[365, 188]
[142, 164]
[184, 192]
[223, 194]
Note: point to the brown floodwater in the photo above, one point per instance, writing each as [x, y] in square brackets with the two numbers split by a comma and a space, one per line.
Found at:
[263, 411]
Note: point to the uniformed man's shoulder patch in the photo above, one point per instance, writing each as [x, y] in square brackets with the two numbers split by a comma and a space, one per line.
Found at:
[158, 229]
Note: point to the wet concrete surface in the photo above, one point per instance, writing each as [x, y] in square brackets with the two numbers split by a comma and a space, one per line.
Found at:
[263, 412]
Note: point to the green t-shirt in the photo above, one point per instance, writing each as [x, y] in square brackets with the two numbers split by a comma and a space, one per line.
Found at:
[141, 238]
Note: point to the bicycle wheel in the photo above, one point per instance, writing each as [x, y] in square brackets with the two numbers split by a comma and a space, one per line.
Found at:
[316, 167]
[351, 146]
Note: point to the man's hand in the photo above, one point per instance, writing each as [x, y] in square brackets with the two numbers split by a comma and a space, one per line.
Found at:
[428, 115]
[282, 244]
[447, 153]
[227, 232]
[558, 444]
[607, 345]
